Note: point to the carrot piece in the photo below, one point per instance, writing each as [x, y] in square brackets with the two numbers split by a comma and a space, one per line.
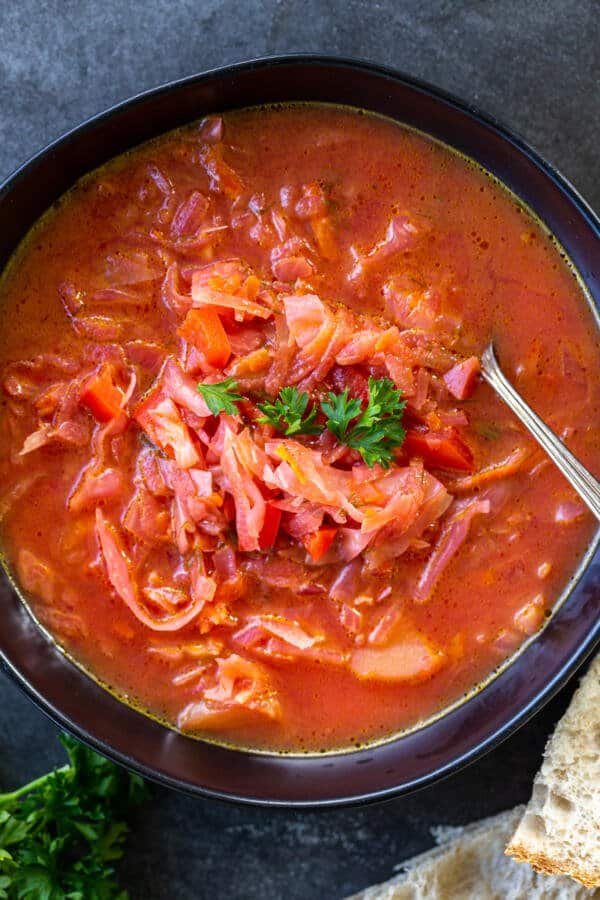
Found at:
[256, 361]
[443, 451]
[494, 472]
[251, 287]
[101, 395]
[233, 283]
[319, 542]
[203, 328]
[270, 528]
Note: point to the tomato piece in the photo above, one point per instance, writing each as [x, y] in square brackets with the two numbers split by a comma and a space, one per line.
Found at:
[270, 528]
[440, 451]
[101, 395]
[203, 328]
[319, 542]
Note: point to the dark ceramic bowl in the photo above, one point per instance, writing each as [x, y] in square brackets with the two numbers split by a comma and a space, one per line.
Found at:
[81, 706]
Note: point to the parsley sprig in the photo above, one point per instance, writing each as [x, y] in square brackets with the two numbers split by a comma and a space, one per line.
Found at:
[60, 834]
[288, 413]
[222, 396]
[340, 409]
[375, 431]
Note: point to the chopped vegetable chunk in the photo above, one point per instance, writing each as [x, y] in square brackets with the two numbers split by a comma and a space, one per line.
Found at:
[462, 378]
[319, 542]
[440, 451]
[101, 395]
[268, 532]
[203, 329]
[411, 659]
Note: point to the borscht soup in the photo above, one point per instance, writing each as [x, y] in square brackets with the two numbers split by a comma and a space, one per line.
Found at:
[250, 477]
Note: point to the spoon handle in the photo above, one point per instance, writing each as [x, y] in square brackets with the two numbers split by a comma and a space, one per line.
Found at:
[583, 481]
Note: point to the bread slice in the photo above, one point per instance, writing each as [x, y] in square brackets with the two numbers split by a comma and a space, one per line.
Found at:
[469, 864]
[560, 829]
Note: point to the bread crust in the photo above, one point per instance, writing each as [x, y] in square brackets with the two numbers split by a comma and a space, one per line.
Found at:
[569, 775]
[547, 866]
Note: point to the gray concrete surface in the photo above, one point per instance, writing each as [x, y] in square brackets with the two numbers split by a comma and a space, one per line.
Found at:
[533, 63]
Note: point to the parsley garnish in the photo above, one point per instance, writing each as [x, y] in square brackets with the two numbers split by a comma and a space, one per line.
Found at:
[221, 397]
[288, 413]
[377, 430]
[60, 834]
[340, 410]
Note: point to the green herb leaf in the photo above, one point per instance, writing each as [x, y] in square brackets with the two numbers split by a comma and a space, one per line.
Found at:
[65, 829]
[288, 413]
[340, 410]
[377, 430]
[221, 397]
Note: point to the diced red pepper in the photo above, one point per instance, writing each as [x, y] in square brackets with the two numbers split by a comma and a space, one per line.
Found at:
[440, 451]
[101, 395]
[203, 328]
[319, 542]
[462, 378]
[270, 528]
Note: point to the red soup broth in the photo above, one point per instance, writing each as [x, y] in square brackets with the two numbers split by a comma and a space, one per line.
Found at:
[277, 590]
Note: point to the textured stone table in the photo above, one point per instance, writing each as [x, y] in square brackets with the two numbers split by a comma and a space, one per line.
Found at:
[534, 65]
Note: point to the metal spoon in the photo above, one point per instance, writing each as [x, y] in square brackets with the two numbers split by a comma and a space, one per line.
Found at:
[583, 481]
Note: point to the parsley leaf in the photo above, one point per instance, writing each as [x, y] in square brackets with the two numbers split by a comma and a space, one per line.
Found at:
[377, 430]
[340, 410]
[60, 834]
[221, 397]
[288, 413]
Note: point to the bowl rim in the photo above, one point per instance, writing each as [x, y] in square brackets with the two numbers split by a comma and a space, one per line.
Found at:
[572, 661]
[508, 133]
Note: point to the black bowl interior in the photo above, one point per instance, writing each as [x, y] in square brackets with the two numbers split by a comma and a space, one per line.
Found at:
[74, 700]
